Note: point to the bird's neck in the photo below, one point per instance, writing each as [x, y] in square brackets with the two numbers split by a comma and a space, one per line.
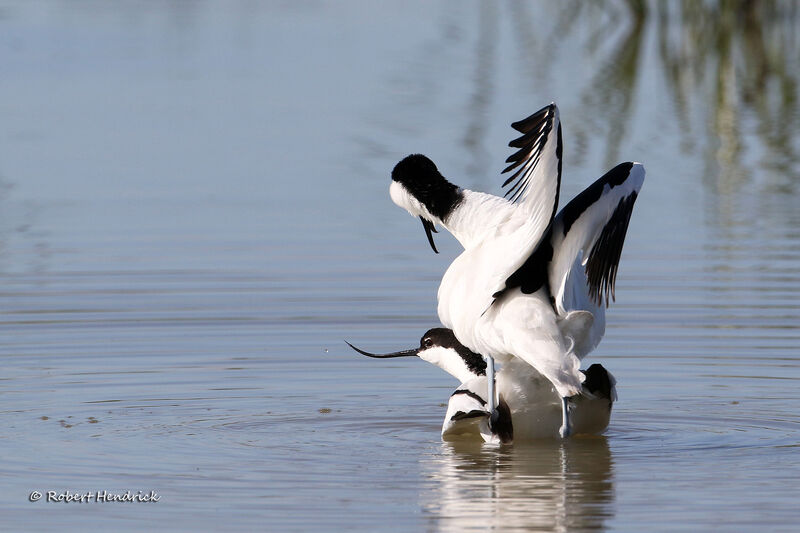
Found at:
[476, 217]
[461, 372]
[450, 362]
[434, 203]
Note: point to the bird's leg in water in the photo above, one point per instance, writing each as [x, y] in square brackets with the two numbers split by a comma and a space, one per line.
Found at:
[566, 428]
[490, 380]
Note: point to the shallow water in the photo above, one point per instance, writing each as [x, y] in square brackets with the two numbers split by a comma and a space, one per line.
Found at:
[194, 215]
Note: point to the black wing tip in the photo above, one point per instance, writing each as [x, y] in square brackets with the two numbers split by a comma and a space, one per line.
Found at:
[536, 131]
[601, 268]
[525, 125]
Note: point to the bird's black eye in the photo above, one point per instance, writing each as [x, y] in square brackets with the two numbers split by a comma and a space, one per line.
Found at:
[427, 343]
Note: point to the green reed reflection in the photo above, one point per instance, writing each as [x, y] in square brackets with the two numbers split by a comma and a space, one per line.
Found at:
[735, 64]
[730, 70]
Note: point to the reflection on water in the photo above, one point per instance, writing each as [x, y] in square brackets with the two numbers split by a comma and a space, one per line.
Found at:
[484, 79]
[547, 486]
[730, 63]
[609, 96]
[728, 69]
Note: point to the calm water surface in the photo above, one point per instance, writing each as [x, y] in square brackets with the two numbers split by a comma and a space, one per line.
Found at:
[194, 216]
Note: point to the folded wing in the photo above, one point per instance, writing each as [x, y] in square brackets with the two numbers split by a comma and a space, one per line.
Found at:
[466, 411]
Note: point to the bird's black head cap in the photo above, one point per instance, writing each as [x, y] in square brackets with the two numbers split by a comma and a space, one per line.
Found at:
[419, 175]
[445, 338]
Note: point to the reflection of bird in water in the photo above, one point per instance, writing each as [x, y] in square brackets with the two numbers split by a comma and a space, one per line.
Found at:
[529, 285]
[551, 485]
[528, 405]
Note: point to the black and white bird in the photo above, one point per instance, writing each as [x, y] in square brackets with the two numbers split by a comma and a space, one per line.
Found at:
[528, 406]
[529, 284]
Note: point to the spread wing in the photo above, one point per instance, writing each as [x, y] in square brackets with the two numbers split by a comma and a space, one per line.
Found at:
[533, 187]
[586, 241]
[592, 228]
[537, 163]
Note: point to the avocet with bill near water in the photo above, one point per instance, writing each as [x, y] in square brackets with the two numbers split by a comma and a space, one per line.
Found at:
[529, 284]
[528, 406]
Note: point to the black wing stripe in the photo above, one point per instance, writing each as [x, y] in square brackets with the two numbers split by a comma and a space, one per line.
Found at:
[601, 267]
[532, 275]
[461, 415]
[576, 207]
[470, 394]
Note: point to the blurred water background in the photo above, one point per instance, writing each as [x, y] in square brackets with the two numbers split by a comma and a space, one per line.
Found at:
[194, 215]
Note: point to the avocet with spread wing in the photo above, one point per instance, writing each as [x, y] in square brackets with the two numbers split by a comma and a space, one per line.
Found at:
[529, 284]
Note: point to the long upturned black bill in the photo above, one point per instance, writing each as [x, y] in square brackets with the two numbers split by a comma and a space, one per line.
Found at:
[404, 353]
[428, 225]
